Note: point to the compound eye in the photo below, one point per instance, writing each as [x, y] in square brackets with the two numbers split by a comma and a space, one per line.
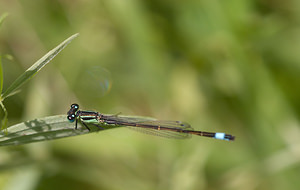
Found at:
[76, 106]
[71, 118]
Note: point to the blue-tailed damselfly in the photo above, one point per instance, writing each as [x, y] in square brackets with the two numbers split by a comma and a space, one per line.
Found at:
[170, 129]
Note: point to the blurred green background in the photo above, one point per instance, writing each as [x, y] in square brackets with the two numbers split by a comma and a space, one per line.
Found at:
[230, 66]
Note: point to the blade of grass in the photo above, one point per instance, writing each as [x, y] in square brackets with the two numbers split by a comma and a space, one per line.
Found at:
[29, 73]
[1, 75]
[4, 120]
[48, 128]
[3, 16]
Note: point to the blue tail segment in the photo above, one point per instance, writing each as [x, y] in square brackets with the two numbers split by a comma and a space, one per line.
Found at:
[223, 136]
[220, 136]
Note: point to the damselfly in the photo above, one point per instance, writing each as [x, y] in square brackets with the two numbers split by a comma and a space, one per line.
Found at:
[170, 129]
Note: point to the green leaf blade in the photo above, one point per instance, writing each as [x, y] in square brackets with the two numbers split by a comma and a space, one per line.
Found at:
[3, 16]
[1, 75]
[36, 67]
[48, 128]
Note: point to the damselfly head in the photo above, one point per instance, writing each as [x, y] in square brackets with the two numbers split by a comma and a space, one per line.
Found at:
[72, 112]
